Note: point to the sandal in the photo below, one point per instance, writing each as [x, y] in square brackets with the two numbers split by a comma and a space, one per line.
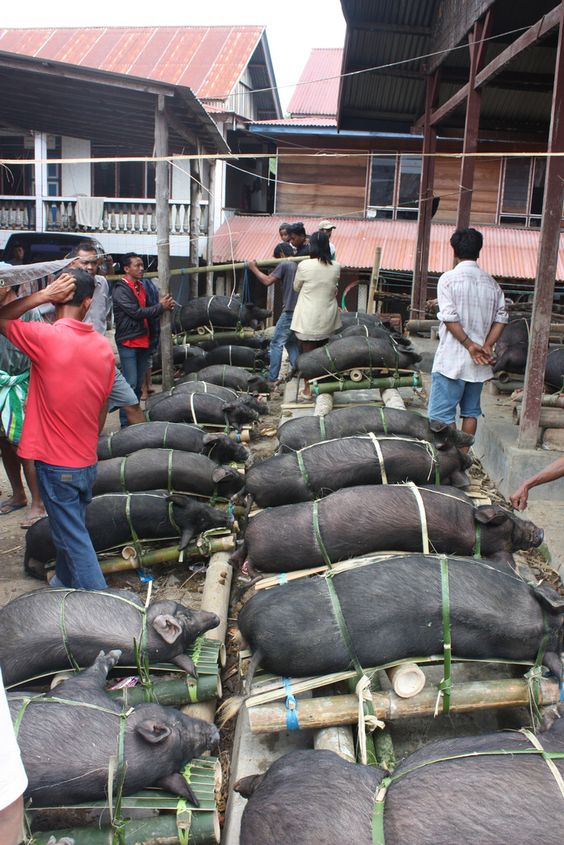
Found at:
[7, 507]
[27, 523]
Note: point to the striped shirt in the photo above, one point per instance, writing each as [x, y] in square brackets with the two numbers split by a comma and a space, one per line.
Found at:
[471, 297]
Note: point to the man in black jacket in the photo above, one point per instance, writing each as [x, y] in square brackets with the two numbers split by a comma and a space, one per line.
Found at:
[131, 318]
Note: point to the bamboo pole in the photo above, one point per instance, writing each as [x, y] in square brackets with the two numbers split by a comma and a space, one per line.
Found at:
[406, 680]
[549, 417]
[339, 740]
[367, 384]
[173, 693]
[219, 268]
[227, 335]
[548, 400]
[343, 709]
[371, 304]
[168, 555]
[215, 599]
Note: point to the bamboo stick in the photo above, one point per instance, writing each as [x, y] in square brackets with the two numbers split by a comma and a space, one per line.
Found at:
[339, 740]
[504, 377]
[548, 400]
[549, 417]
[367, 384]
[168, 555]
[182, 338]
[218, 268]
[215, 599]
[406, 680]
[343, 709]
[173, 693]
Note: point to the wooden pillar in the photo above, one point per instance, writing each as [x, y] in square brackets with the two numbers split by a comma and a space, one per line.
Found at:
[195, 219]
[421, 268]
[211, 226]
[547, 259]
[471, 126]
[163, 235]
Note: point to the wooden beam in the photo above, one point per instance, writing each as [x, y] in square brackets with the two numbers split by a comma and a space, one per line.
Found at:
[472, 123]
[401, 29]
[162, 195]
[420, 271]
[539, 30]
[547, 260]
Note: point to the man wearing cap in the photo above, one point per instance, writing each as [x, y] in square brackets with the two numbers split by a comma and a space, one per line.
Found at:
[327, 227]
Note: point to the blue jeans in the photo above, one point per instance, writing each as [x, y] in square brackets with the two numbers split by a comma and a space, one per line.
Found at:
[134, 365]
[283, 337]
[65, 492]
[448, 394]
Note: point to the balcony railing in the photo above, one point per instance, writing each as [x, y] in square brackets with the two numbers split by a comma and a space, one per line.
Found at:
[120, 216]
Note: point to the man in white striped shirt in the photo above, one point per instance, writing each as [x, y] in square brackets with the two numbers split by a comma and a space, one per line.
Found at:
[473, 316]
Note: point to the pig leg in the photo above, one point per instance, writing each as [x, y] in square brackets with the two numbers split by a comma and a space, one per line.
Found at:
[94, 677]
[177, 785]
[186, 663]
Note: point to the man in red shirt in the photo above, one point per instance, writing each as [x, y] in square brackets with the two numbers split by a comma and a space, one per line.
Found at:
[131, 318]
[71, 377]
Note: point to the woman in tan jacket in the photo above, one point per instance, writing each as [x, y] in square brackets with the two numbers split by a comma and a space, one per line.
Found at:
[316, 315]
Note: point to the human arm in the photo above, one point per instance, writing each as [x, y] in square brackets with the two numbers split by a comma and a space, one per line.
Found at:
[553, 471]
[127, 302]
[262, 277]
[59, 291]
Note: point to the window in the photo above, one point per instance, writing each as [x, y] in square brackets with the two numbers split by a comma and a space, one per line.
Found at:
[522, 191]
[394, 187]
[135, 179]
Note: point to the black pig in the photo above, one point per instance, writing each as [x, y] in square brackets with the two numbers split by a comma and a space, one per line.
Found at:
[359, 520]
[297, 433]
[110, 519]
[188, 357]
[350, 352]
[92, 621]
[201, 408]
[393, 610]
[351, 461]
[236, 378]
[220, 312]
[237, 356]
[159, 741]
[167, 469]
[164, 435]
[484, 798]
[191, 385]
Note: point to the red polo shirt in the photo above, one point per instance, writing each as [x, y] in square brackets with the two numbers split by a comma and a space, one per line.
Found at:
[72, 374]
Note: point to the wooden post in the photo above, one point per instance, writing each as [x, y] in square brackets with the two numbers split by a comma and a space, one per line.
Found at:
[195, 219]
[421, 269]
[371, 304]
[211, 226]
[40, 178]
[472, 123]
[163, 236]
[547, 259]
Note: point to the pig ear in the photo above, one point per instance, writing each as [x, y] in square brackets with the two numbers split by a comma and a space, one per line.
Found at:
[490, 515]
[246, 786]
[153, 731]
[187, 534]
[440, 430]
[220, 474]
[167, 627]
[549, 597]
[211, 438]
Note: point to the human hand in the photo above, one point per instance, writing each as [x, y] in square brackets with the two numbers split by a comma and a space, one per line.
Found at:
[489, 352]
[478, 353]
[60, 290]
[252, 264]
[167, 302]
[519, 498]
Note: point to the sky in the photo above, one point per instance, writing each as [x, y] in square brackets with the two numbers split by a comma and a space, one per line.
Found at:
[292, 30]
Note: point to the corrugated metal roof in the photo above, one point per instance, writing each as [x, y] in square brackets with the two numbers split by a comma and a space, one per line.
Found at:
[209, 60]
[507, 253]
[298, 121]
[311, 97]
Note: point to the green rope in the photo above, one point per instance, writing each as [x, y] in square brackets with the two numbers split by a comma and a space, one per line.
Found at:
[341, 623]
[122, 475]
[332, 362]
[169, 470]
[165, 435]
[322, 428]
[477, 550]
[445, 685]
[134, 536]
[383, 418]
[303, 470]
[63, 630]
[317, 536]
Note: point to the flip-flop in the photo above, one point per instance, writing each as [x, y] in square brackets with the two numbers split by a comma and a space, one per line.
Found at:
[7, 507]
[31, 521]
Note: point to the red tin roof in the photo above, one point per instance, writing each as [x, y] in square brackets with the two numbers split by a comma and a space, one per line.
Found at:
[209, 60]
[318, 98]
[507, 253]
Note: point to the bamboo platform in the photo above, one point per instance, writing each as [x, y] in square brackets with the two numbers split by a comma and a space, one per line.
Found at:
[177, 821]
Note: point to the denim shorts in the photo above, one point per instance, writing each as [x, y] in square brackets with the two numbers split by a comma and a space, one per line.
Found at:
[121, 394]
[449, 393]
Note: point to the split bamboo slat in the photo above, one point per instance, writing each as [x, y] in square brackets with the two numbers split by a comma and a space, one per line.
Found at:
[176, 823]
[338, 710]
[549, 417]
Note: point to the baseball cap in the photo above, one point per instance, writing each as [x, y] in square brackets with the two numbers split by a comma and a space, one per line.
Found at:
[326, 224]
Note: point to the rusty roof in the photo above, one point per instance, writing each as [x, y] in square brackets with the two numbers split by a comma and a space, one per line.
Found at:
[507, 253]
[318, 98]
[207, 59]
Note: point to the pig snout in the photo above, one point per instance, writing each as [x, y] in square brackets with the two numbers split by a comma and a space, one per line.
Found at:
[204, 621]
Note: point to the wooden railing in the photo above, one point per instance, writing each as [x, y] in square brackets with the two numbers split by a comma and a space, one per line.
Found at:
[126, 216]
